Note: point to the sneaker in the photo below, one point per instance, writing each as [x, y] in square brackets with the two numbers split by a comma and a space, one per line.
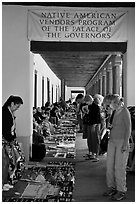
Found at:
[95, 159]
[110, 192]
[86, 155]
[7, 185]
[89, 157]
[118, 196]
[5, 189]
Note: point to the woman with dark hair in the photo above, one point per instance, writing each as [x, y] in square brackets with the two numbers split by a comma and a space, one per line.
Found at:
[12, 155]
[8, 127]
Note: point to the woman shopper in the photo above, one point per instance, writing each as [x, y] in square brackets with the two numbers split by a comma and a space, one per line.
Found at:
[12, 156]
[118, 149]
[99, 125]
[93, 128]
[88, 100]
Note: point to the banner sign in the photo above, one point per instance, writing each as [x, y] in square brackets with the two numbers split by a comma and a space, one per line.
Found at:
[76, 24]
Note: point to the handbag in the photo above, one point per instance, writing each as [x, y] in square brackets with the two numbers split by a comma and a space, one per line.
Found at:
[104, 143]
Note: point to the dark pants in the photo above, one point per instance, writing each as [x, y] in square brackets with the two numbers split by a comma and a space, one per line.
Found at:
[92, 139]
[80, 122]
[85, 131]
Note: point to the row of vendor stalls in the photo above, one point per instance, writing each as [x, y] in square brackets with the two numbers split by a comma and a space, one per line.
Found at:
[53, 178]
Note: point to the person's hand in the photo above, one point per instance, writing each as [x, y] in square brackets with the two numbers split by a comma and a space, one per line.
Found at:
[124, 148]
[85, 109]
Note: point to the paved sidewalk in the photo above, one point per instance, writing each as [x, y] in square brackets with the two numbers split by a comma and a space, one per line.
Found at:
[90, 177]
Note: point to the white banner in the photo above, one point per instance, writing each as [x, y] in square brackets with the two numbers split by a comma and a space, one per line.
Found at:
[76, 24]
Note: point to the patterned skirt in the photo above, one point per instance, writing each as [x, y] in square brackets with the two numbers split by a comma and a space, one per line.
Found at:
[15, 160]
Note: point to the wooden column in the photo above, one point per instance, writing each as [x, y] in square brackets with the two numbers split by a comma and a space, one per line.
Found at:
[94, 88]
[63, 89]
[97, 85]
[116, 75]
[100, 84]
[104, 82]
[109, 79]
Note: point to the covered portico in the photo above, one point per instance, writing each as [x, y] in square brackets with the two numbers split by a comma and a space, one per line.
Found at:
[18, 61]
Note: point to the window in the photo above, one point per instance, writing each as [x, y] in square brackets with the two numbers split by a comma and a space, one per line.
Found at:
[48, 89]
[52, 93]
[43, 91]
[56, 93]
[35, 89]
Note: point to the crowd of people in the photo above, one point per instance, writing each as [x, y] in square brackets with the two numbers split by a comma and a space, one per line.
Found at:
[91, 119]
[107, 117]
[47, 118]
[98, 117]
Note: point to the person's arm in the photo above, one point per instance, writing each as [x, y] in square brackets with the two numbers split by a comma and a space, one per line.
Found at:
[98, 115]
[127, 123]
[7, 123]
[98, 119]
[51, 128]
[98, 128]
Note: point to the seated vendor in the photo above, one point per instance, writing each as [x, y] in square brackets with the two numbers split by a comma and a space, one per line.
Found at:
[48, 128]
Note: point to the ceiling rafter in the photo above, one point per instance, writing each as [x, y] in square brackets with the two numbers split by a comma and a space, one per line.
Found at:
[76, 62]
